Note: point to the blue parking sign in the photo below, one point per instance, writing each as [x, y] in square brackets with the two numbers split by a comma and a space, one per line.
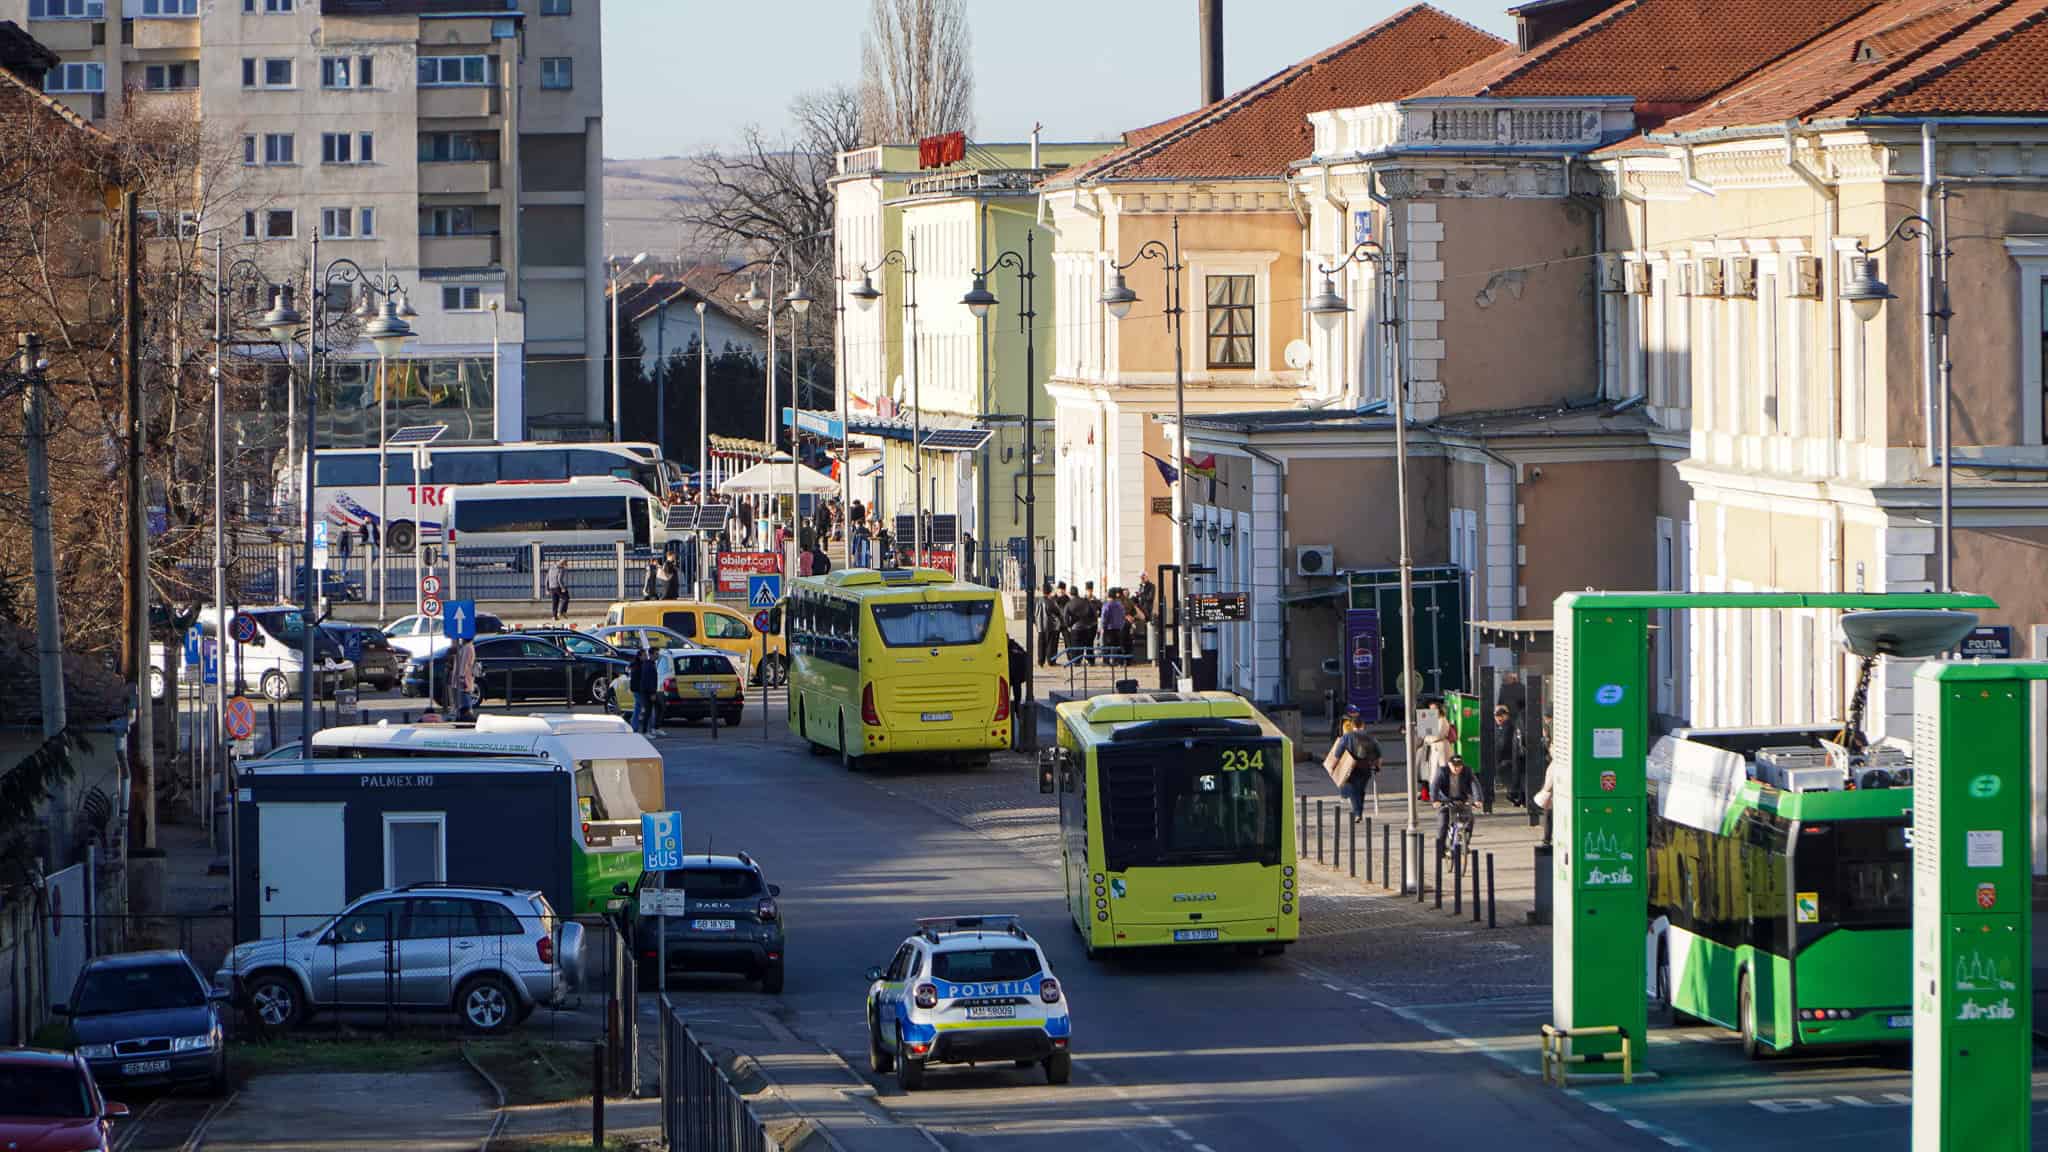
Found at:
[661, 841]
[192, 638]
[209, 661]
[764, 589]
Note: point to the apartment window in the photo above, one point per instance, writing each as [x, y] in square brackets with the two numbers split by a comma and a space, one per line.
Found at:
[451, 222]
[449, 71]
[366, 222]
[267, 5]
[75, 78]
[554, 7]
[335, 71]
[180, 77]
[1232, 329]
[347, 148]
[557, 72]
[249, 146]
[270, 224]
[170, 7]
[461, 298]
[276, 72]
[279, 148]
[66, 9]
[337, 223]
[450, 146]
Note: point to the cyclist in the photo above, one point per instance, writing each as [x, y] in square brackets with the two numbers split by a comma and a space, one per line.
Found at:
[1454, 790]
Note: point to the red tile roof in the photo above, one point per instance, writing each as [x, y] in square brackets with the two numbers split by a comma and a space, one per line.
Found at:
[1264, 128]
[1670, 55]
[1901, 57]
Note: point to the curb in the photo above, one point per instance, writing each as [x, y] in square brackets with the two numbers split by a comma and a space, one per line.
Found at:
[498, 1114]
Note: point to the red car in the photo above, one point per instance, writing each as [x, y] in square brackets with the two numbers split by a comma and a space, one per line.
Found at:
[49, 1103]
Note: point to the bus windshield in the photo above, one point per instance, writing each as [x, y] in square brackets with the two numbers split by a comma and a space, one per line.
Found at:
[1175, 803]
[1859, 871]
[945, 624]
[618, 789]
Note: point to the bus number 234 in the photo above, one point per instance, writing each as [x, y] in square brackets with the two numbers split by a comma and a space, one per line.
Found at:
[1243, 759]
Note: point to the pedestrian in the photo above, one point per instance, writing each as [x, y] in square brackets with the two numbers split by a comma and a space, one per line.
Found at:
[1505, 741]
[1451, 784]
[1020, 671]
[644, 686]
[671, 580]
[1438, 746]
[462, 679]
[1111, 621]
[967, 552]
[1353, 762]
[885, 543]
[651, 586]
[555, 582]
[858, 514]
[1143, 602]
[1048, 622]
[1082, 618]
[347, 544]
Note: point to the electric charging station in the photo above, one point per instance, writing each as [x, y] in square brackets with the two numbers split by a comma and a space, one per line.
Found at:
[1601, 721]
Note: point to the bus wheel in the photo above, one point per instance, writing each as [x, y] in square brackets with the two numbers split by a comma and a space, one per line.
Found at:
[400, 537]
[1745, 1015]
[847, 759]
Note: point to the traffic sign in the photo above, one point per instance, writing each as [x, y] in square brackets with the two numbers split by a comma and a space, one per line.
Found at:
[661, 841]
[459, 620]
[430, 607]
[761, 620]
[243, 628]
[209, 661]
[430, 585]
[320, 545]
[240, 718]
[764, 589]
[193, 637]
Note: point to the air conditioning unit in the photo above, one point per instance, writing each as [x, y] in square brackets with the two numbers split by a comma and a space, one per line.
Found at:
[1742, 277]
[1315, 560]
[1806, 277]
[1638, 278]
[1610, 273]
[1711, 279]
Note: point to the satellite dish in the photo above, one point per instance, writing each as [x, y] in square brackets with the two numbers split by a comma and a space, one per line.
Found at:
[1297, 354]
[1910, 634]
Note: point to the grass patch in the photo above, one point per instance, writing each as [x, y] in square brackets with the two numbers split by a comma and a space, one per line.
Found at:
[340, 1052]
[535, 1071]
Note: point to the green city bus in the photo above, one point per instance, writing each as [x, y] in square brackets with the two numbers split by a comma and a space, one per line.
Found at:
[1174, 825]
[1780, 894]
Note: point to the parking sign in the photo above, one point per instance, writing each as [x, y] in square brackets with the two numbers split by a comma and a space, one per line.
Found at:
[209, 661]
[661, 841]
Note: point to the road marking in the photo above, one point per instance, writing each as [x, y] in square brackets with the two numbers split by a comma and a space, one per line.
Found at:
[1675, 1142]
[1638, 1125]
[1356, 995]
[1603, 1107]
[1203, 1148]
[1184, 1137]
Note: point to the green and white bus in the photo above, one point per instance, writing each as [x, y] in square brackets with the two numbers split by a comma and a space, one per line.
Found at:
[1780, 890]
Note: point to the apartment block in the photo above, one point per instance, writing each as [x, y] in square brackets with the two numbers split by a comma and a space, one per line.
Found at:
[452, 144]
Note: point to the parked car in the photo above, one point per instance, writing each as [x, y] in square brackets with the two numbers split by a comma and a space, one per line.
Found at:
[490, 955]
[516, 666]
[630, 638]
[146, 1018]
[732, 923]
[709, 625]
[49, 1100]
[377, 662]
[577, 643]
[274, 662]
[695, 684]
[422, 635]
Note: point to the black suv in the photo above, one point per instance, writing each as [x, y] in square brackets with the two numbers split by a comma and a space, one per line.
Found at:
[730, 923]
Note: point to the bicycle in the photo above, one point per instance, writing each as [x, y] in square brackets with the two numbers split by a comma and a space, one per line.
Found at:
[1460, 838]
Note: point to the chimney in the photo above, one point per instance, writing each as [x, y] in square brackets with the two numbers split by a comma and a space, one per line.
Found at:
[1212, 50]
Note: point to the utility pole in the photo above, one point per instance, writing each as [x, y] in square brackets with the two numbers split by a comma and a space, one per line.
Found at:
[145, 892]
[49, 646]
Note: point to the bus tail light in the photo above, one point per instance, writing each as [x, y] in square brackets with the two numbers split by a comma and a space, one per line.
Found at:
[1002, 699]
[868, 713]
[1049, 990]
[927, 996]
[766, 911]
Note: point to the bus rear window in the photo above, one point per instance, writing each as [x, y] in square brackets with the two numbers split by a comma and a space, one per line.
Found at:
[618, 789]
[948, 623]
[1860, 872]
[985, 965]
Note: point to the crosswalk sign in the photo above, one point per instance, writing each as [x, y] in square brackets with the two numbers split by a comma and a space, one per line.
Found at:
[764, 589]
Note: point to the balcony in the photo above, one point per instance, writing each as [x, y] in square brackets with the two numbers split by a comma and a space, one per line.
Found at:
[466, 102]
[1531, 124]
[69, 35]
[441, 177]
[978, 179]
[476, 250]
[167, 32]
[173, 103]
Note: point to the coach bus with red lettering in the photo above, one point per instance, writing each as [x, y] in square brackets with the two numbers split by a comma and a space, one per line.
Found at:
[345, 482]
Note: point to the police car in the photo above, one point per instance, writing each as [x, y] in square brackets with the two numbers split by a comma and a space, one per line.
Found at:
[967, 990]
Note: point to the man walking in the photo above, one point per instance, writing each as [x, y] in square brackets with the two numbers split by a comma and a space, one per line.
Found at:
[554, 581]
[1082, 616]
[1112, 621]
[643, 682]
[1355, 777]
[462, 679]
[1505, 740]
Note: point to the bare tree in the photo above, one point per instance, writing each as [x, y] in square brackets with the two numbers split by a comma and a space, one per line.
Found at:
[917, 78]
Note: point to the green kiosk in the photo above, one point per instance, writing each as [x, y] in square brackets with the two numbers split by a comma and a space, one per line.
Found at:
[1969, 847]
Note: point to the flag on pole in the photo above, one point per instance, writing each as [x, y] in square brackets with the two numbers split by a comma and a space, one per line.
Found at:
[1203, 465]
[1166, 471]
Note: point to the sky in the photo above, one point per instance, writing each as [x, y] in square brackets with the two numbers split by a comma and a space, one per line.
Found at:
[681, 76]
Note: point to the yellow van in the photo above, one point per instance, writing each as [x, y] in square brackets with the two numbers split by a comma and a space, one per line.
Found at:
[713, 626]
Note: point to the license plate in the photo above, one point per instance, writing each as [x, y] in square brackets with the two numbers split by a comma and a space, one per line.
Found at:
[1184, 935]
[998, 1012]
[934, 717]
[706, 687]
[1898, 1021]
[145, 1067]
[711, 925]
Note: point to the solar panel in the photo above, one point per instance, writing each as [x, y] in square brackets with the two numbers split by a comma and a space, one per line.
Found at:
[697, 518]
[956, 439]
[415, 435]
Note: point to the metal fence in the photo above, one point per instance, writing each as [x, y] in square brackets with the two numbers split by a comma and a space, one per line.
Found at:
[701, 1111]
[270, 572]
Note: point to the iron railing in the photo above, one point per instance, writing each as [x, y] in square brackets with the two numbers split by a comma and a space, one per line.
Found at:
[701, 1111]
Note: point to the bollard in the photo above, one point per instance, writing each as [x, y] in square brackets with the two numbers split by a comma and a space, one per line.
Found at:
[1301, 823]
[1368, 849]
[1336, 837]
[1319, 831]
[270, 709]
[597, 1095]
[1404, 865]
[1354, 848]
[1421, 889]
[1439, 872]
[1490, 921]
[1457, 886]
[1475, 885]
[1387, 839]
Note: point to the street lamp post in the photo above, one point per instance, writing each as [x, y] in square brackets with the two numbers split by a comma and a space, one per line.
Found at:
[1866, 293]
[865, 294]
[1329, 308]
[618, 425]
[1118, 298]
[979, 300]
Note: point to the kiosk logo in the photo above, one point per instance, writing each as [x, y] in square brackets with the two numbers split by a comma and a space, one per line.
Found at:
[1619, 877]
[1971, 1010]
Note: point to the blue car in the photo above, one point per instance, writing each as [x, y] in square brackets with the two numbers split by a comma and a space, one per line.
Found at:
[148, 1018]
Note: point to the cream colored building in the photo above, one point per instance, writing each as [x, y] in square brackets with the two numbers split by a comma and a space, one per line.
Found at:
[455, 146]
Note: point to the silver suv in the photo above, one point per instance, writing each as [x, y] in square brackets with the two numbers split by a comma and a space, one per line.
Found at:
[491, 955]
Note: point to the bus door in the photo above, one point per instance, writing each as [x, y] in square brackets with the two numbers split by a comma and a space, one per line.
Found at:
[636, 517]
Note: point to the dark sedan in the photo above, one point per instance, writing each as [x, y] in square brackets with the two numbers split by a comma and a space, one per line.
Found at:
[143, 1018]
[514, 666]
[378, 663]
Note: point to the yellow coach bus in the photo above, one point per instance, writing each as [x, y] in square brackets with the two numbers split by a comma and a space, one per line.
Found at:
[897, 661]
[1174, 828]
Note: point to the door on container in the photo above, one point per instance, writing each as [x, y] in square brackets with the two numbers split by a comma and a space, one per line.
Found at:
[299, 869]
[415, 848]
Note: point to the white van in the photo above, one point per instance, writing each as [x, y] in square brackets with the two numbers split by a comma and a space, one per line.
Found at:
[274, 662]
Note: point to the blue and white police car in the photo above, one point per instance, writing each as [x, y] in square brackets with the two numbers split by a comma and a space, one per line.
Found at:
[967, 990]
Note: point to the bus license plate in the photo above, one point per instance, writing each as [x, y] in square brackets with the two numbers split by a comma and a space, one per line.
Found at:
[999, 1012]
[145, 1067]
[711, 925]
[935, 717]
[1898, 1021]
[1185, 935]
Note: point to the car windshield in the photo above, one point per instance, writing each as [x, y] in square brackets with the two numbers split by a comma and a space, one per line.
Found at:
[137, 989]
[718, 883]
[1190, 802]
[44, 1093]
[948, 623]
[288, 627]
[618, 789]
[982, 965]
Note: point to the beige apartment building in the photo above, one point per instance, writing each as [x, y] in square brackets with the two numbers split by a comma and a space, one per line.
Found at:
[453, 144]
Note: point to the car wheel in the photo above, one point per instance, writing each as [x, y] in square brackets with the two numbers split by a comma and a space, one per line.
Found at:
[275, 1002]
[1059, 1067]
[600, 694]
[276, 686]
[771, 980]
[156, 684]
[847, 759]
[909, 1073]
[487, 1005]
[730, 719]
[774, 671]
[879, 1058]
